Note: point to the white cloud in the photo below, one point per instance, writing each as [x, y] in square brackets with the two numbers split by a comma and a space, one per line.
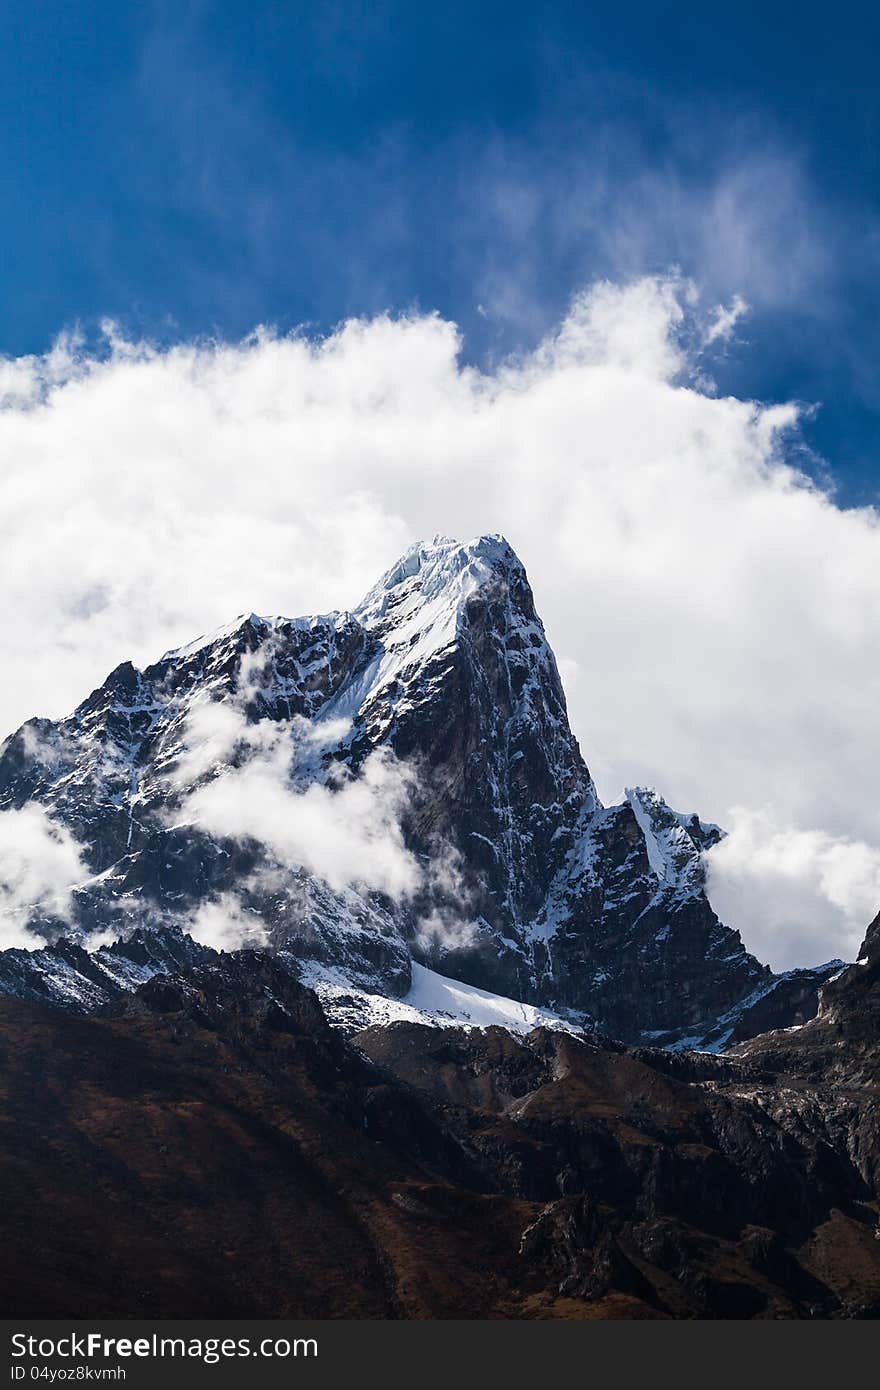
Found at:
[226, 925]
[350, 837]
[212, 732]
[796, 894]
[39, 865]
[348, 833]
[263, 780]
[721, 613]
[626, 332]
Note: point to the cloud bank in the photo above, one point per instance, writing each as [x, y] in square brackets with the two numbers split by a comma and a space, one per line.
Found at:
[800, 891]
[715, 615]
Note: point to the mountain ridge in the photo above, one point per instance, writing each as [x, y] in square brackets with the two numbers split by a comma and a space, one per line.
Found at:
[442, 683]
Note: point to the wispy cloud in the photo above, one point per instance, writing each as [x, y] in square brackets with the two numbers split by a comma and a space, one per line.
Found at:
[262, 779]
[612, 176]
[348, 835]
[225, 924]
[40, 864]
[724, 320]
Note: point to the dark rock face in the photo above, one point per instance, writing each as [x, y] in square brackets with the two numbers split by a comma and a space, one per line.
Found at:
[209, 1146]
[532, 889]
[836, 1060]
[842, 1041]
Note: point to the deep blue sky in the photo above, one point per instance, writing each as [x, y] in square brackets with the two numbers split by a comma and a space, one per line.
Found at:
[199, 167]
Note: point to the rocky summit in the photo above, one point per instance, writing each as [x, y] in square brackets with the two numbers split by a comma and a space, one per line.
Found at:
[188, 789]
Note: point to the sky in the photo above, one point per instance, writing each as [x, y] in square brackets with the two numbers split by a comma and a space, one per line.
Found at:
[191, 169]
[287, 286]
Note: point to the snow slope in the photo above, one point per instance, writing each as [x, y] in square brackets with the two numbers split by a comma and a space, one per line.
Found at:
[433, 999]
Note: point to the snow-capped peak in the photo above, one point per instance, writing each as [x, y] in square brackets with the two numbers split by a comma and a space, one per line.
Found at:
[425, 589]
[442, 569]
[416, 611]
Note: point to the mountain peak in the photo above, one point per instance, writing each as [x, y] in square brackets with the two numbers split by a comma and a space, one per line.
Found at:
[530, 888]
[428, 570]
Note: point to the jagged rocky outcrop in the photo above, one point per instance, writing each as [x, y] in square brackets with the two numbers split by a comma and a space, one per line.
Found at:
[66, 976]
[530, 888]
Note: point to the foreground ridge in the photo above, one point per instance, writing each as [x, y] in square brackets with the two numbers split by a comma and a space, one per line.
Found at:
[213, 1128]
